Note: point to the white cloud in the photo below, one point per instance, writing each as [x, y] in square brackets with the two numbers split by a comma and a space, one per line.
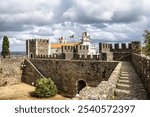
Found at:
[109, 20]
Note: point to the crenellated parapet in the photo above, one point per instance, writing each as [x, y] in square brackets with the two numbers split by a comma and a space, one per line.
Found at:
[86, 57]
[53, 56]
[81, 49]
[66, 49]
[121, 47]
[134, 46]
[104, 47]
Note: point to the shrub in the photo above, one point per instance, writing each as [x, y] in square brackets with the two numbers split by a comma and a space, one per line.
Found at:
[45, 87]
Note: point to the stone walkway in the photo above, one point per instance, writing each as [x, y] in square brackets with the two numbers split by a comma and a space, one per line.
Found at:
[129, 86]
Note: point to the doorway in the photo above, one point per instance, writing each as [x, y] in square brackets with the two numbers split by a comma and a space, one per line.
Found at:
[81, 84]
[31, 55]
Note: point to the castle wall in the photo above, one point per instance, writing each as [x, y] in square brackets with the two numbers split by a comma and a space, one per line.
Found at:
[108, 56]
[81, 49]
[142, 67]
[10, 70]
[105, 90]
[66, 73]
[42, 47]
[56, 51]
[86, 57]
[122, 56]
[67, 52]
[122, 47]
[30, 74]
[104, 47]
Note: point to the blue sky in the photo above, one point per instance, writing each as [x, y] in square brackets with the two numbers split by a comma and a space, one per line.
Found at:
[108, 20]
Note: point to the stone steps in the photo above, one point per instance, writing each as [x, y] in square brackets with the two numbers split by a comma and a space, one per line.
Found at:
[122, 92]
[129, 86]
[123, 86]
[123, 78]
[123, 81]
[124, 75]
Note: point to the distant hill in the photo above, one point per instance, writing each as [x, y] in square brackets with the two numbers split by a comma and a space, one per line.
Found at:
[18, 53]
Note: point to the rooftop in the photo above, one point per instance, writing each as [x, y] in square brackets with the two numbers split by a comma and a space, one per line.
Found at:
[59, 45]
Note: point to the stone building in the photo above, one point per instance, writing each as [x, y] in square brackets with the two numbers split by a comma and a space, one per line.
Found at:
[35, 47]
[67, 50]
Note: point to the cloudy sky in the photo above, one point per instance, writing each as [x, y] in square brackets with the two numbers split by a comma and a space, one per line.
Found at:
[104, 20]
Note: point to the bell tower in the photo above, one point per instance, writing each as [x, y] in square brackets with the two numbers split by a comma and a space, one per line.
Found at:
[85, 39]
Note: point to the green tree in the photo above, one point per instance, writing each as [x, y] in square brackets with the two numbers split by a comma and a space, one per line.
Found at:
[5, 47]
[45, 87]
[147, 42]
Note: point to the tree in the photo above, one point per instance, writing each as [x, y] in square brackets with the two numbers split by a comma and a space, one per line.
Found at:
[5, 47]
[45, 87]
[147, 42]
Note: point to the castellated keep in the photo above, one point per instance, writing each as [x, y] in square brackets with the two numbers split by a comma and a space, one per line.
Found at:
[84, 50]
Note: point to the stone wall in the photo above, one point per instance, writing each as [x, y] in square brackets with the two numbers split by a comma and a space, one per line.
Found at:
[105, 90]
[122, 56]
[30, 74]
[87, 57]
[10, 70]
[142, 67]
[104, 47]
[81, 49]
[42, 46]
[31, 48]
[121, 47]
[66, 74]
[107, 56]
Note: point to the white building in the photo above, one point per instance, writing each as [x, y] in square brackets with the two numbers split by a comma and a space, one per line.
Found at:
[56, 47]
[87, 41]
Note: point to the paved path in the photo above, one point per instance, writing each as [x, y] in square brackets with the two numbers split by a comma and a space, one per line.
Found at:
[129, 86]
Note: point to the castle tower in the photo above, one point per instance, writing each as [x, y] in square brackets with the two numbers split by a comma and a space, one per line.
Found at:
[36, 47]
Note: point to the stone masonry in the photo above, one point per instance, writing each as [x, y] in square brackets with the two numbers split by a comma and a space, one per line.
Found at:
[10, 70]
[129, 86]
[68, 75]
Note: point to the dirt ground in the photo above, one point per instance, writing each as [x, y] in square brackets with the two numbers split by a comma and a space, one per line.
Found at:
[22, 92]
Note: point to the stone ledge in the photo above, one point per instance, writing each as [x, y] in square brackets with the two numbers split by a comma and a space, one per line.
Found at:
[105, 90]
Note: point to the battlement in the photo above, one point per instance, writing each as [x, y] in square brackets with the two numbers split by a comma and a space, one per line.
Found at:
[86, 57]
[134, 46]
[54, 56]
[104, 47]
[39, 40]
[67, 49]
[121, 47]
[81, 47]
